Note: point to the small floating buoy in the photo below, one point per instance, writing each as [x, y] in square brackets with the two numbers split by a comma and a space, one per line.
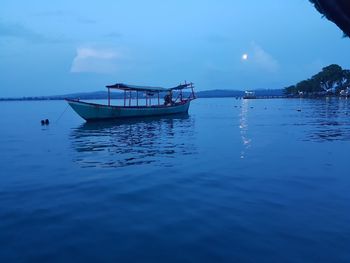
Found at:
[45, 122]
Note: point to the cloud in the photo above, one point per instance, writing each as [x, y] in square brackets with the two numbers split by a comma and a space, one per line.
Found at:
[113, 35]
[51, 13]
[314, 66]
[19, 31]
[85, 20]
[263, 59]
[15, 30]
[64, 15]
[95, 60]
[217, 38]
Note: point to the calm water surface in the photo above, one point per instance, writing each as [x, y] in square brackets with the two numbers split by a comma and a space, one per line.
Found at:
[234, 181]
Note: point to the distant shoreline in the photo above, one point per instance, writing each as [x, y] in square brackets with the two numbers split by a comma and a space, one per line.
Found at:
[198, 96]
[262, 93]
[56, 99]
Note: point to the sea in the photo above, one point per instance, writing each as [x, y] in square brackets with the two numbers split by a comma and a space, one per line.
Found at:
[264, 180]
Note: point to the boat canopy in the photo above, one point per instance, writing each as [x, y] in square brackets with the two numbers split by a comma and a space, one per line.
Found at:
[122, 86]
[182, 86]
[127, 87]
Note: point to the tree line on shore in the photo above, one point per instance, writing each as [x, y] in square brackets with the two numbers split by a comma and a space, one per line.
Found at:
[331, 80]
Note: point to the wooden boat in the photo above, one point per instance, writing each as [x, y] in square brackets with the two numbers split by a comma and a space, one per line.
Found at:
[94, 112]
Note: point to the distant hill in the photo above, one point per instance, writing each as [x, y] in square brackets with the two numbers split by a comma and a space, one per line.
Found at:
[218, 93]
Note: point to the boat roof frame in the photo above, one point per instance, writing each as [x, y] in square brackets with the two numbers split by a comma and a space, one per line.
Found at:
[126, 87]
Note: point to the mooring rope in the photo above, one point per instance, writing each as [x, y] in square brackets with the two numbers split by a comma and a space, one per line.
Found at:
[62, 114]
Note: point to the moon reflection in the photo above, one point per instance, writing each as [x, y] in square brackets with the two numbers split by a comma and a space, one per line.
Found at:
[243, 126]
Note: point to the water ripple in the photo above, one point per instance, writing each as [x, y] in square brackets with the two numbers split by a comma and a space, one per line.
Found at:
[326, 120]
[135, 142]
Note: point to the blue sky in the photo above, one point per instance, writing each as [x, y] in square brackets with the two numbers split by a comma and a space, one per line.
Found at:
[60, 47]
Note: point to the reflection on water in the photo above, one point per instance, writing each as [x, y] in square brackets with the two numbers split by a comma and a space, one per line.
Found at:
[327, 120]
[132, 142]
[286, 201]
[243, 127]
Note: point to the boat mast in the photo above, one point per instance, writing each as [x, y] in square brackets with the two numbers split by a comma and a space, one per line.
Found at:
[109, 97]
[193, 96]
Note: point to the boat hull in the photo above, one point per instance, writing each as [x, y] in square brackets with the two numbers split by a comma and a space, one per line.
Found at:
[95, 112]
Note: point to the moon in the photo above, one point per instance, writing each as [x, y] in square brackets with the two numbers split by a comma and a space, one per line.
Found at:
[245, 56]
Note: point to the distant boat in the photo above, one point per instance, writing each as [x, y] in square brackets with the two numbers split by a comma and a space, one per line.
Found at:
[249, 95]
[94, 112]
